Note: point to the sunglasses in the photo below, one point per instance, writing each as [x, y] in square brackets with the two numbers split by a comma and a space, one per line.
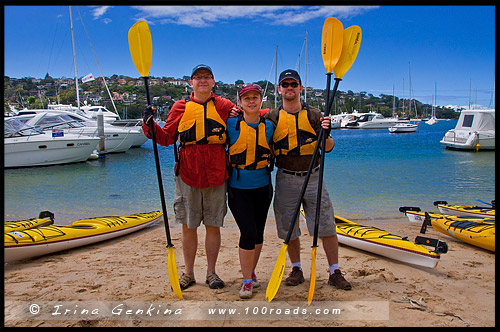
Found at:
[286, 84]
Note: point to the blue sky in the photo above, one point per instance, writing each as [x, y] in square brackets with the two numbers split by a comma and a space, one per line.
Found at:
[448, 47]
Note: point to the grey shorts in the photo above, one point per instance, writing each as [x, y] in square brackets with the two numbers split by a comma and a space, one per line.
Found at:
[287, 192]
[193, 205]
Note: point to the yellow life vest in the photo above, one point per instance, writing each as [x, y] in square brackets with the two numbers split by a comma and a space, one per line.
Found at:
[250, 151]
[294, 134]
[201, 124]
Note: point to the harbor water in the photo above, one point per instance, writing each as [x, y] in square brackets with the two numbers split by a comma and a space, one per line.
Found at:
[369, 174]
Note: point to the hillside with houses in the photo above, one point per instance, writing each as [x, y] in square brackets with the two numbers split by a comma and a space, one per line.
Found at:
[126, 95]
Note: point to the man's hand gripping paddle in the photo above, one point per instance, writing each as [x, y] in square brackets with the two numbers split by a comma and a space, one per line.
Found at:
[141, 50]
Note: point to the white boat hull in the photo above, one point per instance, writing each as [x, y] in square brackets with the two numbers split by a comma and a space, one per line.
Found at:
[469, 141]
[403, 128]
[399, 254]
[475, 130]
[33, 151]
[377, 125]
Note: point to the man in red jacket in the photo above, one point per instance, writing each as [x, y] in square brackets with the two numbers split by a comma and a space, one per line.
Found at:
[199, 125]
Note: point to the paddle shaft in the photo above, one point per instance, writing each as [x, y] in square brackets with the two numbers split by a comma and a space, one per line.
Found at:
[326, 113]
[158, 169]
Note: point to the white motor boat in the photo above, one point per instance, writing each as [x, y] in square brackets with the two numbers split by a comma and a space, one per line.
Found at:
[88, 110]
[109, 118]
[116, 139]
[475, 130]
[27, 146]
[374, 121]
[346, 119]
[404, 127]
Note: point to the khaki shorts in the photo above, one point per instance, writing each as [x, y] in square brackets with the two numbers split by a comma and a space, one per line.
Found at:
[193, 205]
[287, 192]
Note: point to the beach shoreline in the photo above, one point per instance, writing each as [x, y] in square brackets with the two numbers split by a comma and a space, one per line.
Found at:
[131, 272]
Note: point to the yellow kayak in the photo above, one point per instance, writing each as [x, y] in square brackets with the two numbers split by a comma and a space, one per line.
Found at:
[44, 219]
[476, 233]
[414, 214]
[465, 210]
[44, 240]
[385, 244]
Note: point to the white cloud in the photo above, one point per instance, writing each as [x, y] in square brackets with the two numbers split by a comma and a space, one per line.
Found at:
[99, 11]
[203, 16]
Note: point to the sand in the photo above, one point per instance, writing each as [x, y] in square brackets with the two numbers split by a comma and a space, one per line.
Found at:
[124, 282]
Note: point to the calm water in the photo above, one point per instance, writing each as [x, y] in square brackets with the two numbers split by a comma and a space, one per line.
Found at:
[369, 174]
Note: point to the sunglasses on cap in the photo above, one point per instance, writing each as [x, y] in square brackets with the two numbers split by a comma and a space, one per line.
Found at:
[252, 85]
[286, 84]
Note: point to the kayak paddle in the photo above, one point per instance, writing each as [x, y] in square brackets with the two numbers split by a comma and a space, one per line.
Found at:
[331, 55]
[141, 50]
[351, 40]
[332, 43]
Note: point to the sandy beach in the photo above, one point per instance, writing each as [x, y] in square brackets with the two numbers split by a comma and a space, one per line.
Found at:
[124, 282]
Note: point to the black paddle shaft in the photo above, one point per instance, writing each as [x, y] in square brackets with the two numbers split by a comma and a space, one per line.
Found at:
[322, 158]
[158, 169]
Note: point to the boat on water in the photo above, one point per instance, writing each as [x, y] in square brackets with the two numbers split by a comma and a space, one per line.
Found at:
[374, 121]
[116, 139]
[342, 120]
[466, 210]
[476, 233]
[45, 218]
[404, 127]
[26, 146]
[433, 120]
[88, 110]
[23, 244]
[475, 130]
[383, 243]
[91, 112]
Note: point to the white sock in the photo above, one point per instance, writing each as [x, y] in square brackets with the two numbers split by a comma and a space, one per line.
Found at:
[333, 267]
[297, 265]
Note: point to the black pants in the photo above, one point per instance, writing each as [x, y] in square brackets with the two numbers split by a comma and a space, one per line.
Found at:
[249, 208]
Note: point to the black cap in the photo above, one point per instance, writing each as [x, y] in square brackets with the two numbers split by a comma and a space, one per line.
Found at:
[290, 73]
[201, 67]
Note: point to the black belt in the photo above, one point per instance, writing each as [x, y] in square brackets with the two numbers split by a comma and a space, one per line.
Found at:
[299, 173]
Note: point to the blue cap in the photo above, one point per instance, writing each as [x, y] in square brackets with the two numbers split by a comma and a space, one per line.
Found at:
[201, 67]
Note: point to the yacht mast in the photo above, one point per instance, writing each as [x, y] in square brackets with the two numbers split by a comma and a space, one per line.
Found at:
[409, 87]
[305, 81]
[74, 59]
[99, 66]
[276, 80]
[393, 103]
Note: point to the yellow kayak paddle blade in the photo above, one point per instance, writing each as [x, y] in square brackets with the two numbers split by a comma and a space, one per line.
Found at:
[350, 49]
[141, 47]
[312, 282]
[172, 273]
[277, 276]
[331, 42]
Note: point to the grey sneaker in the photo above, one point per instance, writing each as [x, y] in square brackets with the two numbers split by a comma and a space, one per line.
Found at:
[296, 277]
[213, 281]
[246, 290]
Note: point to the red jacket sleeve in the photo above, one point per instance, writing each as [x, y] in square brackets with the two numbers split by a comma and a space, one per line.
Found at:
[166, 136]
